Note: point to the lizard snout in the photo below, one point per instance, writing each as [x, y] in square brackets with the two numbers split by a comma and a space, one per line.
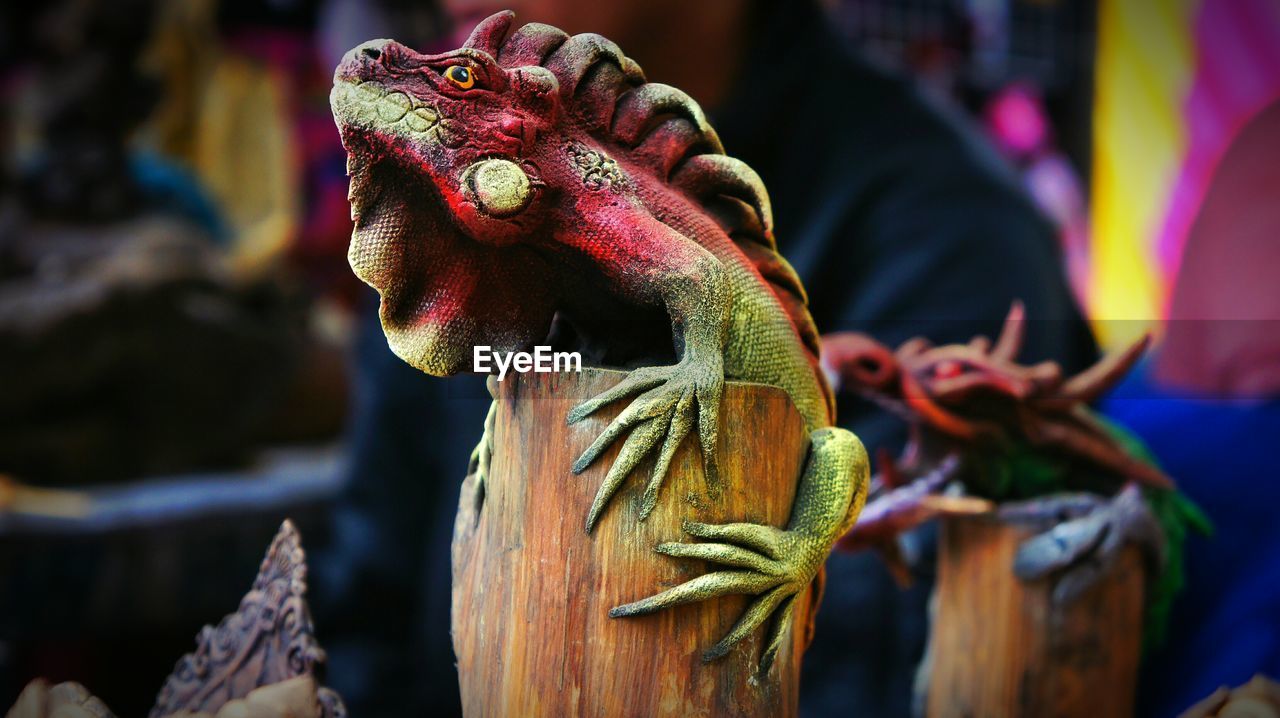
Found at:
[363, 61]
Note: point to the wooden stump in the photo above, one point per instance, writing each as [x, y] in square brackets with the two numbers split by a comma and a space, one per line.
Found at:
[532, 590]
[999, 647]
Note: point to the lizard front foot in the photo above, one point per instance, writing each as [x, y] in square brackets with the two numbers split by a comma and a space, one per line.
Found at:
[1087, 538]
[767, 562]
[673, 396]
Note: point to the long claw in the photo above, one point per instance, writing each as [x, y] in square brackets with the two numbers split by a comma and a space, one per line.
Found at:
[778, 633]
[647, 406]
[722, 553]
[773, 564]
[1142, 526]
[708, 434]
[666, 409]
[765, 539]
[756, 614]
[681, 423]
[633, 451]
[637, 381]
[707, 586]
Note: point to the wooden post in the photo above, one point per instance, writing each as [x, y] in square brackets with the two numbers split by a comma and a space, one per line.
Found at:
[532, 590]
[999, 647]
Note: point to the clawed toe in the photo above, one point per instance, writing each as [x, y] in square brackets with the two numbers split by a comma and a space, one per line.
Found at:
[635, 382]
[757, 554]
[702, 588]
[662, 416]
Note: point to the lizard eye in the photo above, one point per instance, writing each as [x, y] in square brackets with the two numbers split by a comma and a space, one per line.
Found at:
[461, 76]
[948, 370]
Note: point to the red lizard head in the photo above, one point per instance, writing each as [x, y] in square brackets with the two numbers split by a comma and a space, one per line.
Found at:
[533, 176]
[977, 392]
[444, 195]
[945, 387]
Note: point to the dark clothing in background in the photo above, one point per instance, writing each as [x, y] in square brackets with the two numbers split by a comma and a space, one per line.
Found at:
[899, 219]
[382, 587]
[899, 225]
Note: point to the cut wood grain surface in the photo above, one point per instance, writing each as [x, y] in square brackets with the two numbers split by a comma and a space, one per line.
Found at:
[532, 589]
[1000, 647]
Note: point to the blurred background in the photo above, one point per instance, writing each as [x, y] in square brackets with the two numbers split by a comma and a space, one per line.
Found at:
[185, 357]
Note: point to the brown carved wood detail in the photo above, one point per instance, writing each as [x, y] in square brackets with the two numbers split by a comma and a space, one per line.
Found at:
[269, 639]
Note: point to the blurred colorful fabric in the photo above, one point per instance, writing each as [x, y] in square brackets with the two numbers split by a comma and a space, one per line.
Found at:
[1176, 81]
[225, 117]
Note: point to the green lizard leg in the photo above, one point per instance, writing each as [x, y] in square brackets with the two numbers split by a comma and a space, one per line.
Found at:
[471, 499]
[483, 453]
[681, 424]
[693, 286]
[774, 564]
[646, 419]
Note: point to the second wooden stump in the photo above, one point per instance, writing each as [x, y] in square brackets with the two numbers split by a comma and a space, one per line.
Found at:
[1000, 647]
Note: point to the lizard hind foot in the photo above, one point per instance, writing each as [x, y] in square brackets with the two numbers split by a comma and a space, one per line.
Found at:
[1086, 538]
[673, 398]
[759, 563]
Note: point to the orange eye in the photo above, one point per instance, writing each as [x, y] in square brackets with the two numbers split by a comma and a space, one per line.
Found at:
[461, 76]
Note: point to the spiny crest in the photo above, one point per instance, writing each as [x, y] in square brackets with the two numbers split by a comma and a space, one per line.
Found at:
[661, 128]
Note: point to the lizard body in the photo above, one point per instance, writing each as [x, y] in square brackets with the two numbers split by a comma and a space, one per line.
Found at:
[532, 185]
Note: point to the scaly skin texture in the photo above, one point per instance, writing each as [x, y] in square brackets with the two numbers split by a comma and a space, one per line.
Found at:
[1022, 435]
[532, 179]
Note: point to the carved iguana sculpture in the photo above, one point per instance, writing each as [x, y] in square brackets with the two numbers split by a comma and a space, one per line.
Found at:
[1024, 436]
[534, 185]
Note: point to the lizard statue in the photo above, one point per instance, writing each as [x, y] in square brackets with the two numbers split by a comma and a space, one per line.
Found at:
[532, 187]
[1022, 436]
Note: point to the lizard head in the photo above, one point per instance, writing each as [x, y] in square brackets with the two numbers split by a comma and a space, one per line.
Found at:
[974, 392]
[444, 196]
[965, 391]
[977, 394]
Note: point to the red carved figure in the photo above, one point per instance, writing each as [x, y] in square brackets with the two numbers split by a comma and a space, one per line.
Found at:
[531, 186]
[1005, 431]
